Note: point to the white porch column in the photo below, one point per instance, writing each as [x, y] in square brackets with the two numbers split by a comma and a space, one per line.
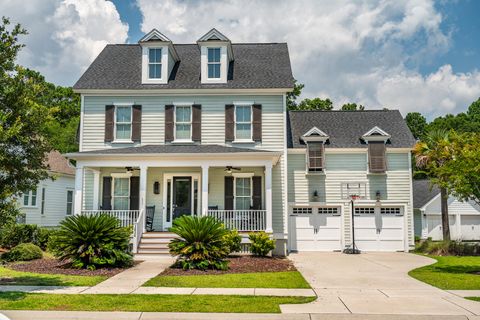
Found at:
[96, 190]
[268, 196]
[143, 194]
[205, 169]
[78, 189]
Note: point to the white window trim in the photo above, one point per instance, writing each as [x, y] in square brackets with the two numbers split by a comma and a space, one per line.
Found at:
[29, 205]
[175, 140]
[71, 203]
[145, 63]
[239, 176]
[115, 140]
[118, 176]
[216, 63]
[250, 105]
[156, 63]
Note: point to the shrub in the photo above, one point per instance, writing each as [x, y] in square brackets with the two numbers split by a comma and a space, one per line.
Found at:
[15, 234]
[261, 244]
[23, 252]
[92, 241]
[200, 244]
[233, 241]
[446, 248]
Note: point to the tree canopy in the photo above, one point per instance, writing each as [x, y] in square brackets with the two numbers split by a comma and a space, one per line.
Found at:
[352, 107]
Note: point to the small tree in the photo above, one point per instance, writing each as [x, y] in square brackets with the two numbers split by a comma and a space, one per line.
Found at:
[293, 95]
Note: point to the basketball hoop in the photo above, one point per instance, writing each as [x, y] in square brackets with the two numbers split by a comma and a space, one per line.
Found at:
[354, 197]
[353, 248]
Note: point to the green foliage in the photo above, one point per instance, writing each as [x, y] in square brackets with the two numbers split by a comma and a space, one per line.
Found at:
[200, 244]
[417, 124]
[92, 241]
[293, 95]
[448, 248]
[352, 107]
[233, 241]
[23, 252]
[15, 234]
[315, 104]
[463, 122]
[261, 244]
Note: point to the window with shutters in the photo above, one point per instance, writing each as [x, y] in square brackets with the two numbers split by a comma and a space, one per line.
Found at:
[243, 193]
[376, 157]
[315, 156]
[69, 202]
[155, 63]
[243, 123]
[123, 123]
[183, 123]
[213, 63]
[121, 193]
[30, 198]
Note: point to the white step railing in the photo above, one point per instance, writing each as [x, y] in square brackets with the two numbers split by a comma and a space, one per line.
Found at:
[241, 220]
[126, 217]
[138, 229]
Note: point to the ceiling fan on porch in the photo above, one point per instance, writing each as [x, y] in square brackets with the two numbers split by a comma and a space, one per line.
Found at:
[230, 169]
[130, 169]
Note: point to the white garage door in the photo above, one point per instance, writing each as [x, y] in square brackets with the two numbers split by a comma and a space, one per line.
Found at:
[434, 227]
[383, 232]
[315, 229]
[470, 227]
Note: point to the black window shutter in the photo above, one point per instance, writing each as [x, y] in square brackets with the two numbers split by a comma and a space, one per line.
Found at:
[107, 193]
[257, 123]
[228, 193]
[257, 192]
[134, 193]
[109, 122]
[197, 123]
[137, 123]
[169, 109]
[229, 122]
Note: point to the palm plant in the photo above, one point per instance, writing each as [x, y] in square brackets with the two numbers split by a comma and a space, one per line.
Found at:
[200, 244]
[91, 241]
[430, 154]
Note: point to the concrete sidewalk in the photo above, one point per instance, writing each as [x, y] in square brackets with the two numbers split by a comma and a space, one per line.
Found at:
[82, 315]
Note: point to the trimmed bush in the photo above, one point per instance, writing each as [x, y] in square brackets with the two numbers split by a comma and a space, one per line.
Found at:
[15, 234]
[200, 244]
[233, 241]
[261, 244]
[92, 241]
[23, 252]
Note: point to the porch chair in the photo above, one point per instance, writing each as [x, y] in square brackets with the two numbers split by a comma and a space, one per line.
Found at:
[150, 213]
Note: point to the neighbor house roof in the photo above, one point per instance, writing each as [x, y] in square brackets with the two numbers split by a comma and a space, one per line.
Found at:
[346, 128]
[423, 192]
[169, 149]
[57, 163]
[256, 66]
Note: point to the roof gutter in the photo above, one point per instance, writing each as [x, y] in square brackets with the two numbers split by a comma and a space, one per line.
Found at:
[168, 91]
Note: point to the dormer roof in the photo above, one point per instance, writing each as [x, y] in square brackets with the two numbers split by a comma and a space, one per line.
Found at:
[376, 134]
[315, 134]
[213, 35]
[154, 35]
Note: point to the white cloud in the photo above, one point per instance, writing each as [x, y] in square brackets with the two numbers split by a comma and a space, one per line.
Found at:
[65, 35]
[363, 51]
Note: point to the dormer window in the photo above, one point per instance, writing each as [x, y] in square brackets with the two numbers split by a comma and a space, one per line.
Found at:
[376, 138]
[214, 63]
[155, 63]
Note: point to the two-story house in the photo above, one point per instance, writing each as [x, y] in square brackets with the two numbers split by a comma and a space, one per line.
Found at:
[201, 129]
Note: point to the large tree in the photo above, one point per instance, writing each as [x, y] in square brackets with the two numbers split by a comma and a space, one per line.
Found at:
[315, 104]
[23, 146]
[431, 154]
[352, 107]
[417, 124]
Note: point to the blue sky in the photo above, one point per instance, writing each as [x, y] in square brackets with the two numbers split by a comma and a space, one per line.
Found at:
[412, 55]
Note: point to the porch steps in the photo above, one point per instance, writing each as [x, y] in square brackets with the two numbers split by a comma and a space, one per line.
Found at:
[154, 244]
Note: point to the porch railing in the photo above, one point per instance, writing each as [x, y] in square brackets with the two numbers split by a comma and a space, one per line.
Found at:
[126, 217]
[241, 220]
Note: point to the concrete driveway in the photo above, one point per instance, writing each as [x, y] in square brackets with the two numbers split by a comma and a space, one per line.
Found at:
[373, 283]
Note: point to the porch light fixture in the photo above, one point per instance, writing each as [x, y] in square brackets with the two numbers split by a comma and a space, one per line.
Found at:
[156, 187]
[378, 195]
[315, 195]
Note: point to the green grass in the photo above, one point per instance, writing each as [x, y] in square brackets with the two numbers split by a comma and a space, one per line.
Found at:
[145, 303]
[288, 279]
[450, 273]
[38, 279]
[473, 298]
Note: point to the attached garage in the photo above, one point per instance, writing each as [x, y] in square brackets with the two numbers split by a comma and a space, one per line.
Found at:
[379, 229]
[315, 228]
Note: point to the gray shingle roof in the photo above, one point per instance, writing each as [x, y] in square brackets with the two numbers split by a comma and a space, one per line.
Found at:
[345, 128]
[152, 149]
[255, 66]
[423, 192]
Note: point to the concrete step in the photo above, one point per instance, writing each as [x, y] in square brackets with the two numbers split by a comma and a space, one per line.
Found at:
[153, 245]
[151, 256]
[159, 235]
[156, 240]
[153, 251]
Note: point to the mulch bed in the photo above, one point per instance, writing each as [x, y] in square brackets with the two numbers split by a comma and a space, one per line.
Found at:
[54, 266]
[239, 264]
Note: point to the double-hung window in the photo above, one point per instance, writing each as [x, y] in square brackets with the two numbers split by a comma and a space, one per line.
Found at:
[183, 123]
[121, 193]
[243, 123]
[69, 202]
[155, 63]
[123, 123]
[214, 63]
[30, 198]
[243, 193]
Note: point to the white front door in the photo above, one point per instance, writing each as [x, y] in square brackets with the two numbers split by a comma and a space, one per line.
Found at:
[315, 229]
[180, 197]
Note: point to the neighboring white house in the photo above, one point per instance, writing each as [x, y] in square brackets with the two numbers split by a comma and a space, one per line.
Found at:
[52, 200]
[203, 129]
[464, 217]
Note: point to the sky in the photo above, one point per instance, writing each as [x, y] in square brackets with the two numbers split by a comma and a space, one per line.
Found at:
[411, 55]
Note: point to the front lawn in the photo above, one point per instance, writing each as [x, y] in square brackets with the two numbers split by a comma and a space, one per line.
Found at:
[19, 278]
[145, 303]
[451, 273]
[286, 279]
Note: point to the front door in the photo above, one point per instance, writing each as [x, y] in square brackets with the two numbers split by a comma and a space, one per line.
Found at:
[182, 197]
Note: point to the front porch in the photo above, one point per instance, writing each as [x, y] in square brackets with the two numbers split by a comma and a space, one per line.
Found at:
[150, 197]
